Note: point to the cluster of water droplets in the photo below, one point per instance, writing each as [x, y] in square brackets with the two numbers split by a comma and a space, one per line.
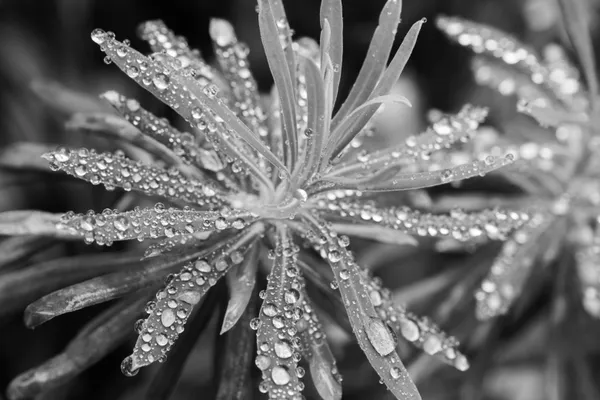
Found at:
[170, 311]
[495, 224]
[183, 144]
[420, 331]
[143, 223]
[278, 343]
[557, 75]
[511, 268]
[115, 170]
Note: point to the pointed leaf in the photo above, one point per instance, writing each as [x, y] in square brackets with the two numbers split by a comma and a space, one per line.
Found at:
[374, 232]
[276, 346]
[241, 288]
[169, 314]
[235, 381]
[385, 84]
[375, 61]
[282, 76]
[116, 170]
[372, 334]
[92, 343]
[511, 268]
[316, 350]
[106, 227]
[31, 222]
[575, 19]
[331, 10]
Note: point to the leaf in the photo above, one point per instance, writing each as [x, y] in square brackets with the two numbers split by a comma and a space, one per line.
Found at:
[511, 268]
[18, 249]
[276, 346]
[92, 343]
[241, 288]
[25, 156]
[198, 106]
[317, 121]
[323, 370]
[161, 38]
[331, 11]
[169, 314]
[232, 57]
[495, 224]
[421, 332]
[116, 170]
[373, 336]
[20, 287]
[65, 99]
[375, 61]
[353, 125]
[114, 127]
[575, 19]
[420, 180]
[282, 76]
[374, 232]
[235, 378]
[110, 225]
[165, 381]
[31, 222]
[445, 132]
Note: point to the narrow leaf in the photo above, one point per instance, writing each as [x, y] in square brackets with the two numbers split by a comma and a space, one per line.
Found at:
[109, 226]
[241, 288]
[374, 232]
[235, 380]
[169, 314]
[331, 11]
[116, 170]
[276, 346]
[30, 222]
[372, 334]
[92, 343]
[282, 76]
[575, 19]
[25, 156]
[375, 61]
[387, 81]
[17, 249]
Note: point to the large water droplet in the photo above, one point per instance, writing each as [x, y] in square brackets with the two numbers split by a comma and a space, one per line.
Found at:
[167, 318]
[280, 375]
[380, 337]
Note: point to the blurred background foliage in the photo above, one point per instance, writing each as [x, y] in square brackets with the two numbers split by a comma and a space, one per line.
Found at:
[49, 41]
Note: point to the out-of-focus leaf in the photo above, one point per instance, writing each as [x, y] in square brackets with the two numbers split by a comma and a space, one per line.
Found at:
[25, 156]
[19, 248]
[168, 374]
[241, 288]
[235, 380]
[67, 100]
[575, 18]
[31, 222]
[18, 288]
[91, 344]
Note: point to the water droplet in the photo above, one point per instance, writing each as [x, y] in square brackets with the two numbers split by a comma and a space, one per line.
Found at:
[99, 36]
[167, 318]
[280, 375]
[127, 367]
[270, 310]
[161, 81]
[262, 362]
[283, 349]
[380, 337]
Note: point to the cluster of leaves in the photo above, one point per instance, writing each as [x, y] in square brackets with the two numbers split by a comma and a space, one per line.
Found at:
[267, 185]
